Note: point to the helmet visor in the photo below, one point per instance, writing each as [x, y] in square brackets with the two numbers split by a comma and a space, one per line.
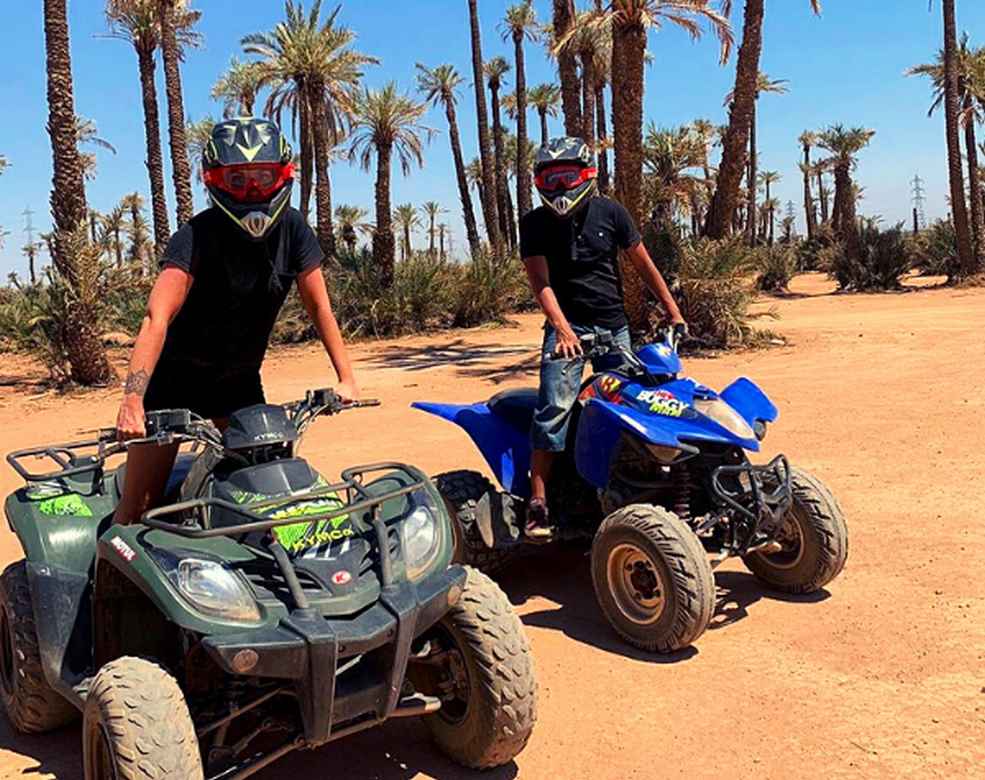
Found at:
[252, 183]
[558, 178]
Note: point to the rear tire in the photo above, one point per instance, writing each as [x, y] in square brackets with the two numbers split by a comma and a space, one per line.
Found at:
[815, 539]
[462, 491]
[32, 705]
[492, 724]
[136, 725]
[652, 578]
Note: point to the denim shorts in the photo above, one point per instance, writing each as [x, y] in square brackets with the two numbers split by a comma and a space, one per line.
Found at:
[560, 381]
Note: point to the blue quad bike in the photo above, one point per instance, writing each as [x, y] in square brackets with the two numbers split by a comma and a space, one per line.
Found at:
[656, 474]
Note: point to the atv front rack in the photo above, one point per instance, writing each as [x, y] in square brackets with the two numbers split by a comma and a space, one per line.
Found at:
[358, 500]
[750, 496]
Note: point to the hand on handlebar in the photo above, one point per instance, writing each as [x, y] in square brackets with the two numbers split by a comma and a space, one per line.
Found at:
[130, 419]
[568, 345]
[347, 391]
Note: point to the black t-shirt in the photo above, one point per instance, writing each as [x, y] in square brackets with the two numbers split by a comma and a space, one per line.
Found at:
[582, 258]
[239, 287]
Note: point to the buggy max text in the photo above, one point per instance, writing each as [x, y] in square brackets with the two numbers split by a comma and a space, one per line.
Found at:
[662, 402]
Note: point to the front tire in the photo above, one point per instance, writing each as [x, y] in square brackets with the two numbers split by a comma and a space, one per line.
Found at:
[814, 539]
[652, 578]
[462, 492]
[136, 725]
[32, 705]
[488, 721]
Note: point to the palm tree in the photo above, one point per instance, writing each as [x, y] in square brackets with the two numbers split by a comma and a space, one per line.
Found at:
[137, 23]
[630, 21]
[315, 71]
[767, 179]
[589, 39]
[87, 134]
[79, 327]
[442, 229]
[545, 98]
[134, 203]
[490, 212]
[564, 19]
[968, 62]
[407, 220]
[199, 134]
[704, 129]
[736, 143]
[237, 88]
[432, 210]
[669, 156]
[30, 251]
[520, 24]
[169, 11]
[844, 144]
[439, 86]
[3, 163]
[824, 192]
[113, 224]
[494, 71]
[473, 172]
[350, 220]
[764, 84]
[387, 123]
[807, 140]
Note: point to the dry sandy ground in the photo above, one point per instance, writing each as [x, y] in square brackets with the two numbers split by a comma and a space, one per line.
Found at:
[882, 676]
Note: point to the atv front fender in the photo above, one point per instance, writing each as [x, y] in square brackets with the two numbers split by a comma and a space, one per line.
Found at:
[749, 401]
[505, 448]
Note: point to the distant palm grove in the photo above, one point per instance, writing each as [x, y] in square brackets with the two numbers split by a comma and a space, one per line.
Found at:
[706, 208]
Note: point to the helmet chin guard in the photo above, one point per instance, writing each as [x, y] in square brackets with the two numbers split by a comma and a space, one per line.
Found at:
[564, 175]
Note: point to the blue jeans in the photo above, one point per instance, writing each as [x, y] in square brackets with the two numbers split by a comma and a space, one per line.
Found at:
[560, 381]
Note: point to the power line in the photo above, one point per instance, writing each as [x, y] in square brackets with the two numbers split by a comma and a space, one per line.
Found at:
[28, 225]
[919, 199]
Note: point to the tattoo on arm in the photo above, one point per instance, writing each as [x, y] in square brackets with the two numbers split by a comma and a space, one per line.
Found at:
[136, 383]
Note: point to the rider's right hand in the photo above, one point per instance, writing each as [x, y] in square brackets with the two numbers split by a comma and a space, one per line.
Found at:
[130, 419]
[568, 344]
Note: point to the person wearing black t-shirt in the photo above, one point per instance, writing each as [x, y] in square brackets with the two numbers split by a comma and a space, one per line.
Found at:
[570, 248]
[225, 275]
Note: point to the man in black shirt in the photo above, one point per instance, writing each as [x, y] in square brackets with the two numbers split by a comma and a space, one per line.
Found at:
[225, 275]
[570, 248]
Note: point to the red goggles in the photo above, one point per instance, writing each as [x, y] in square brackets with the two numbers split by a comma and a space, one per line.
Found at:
[251, 183]
[563, 177]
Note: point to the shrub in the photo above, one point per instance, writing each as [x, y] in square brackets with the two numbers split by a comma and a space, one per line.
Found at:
[818, 252]
[486, 290]
[882, 261]
[934, 251]
[714, 292]
[776, 266]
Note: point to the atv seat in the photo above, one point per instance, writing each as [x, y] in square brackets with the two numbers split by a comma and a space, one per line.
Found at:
[182, 465]
[515, 406]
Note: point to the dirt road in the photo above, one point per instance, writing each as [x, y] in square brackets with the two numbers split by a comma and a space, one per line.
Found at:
[883, 676]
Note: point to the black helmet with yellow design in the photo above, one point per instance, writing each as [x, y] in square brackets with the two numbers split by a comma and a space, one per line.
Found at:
[247, 167]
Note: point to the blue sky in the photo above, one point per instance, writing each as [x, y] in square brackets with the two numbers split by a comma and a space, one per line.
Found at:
[845, 67]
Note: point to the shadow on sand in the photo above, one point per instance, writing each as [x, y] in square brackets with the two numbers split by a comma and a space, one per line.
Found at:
[456, 352]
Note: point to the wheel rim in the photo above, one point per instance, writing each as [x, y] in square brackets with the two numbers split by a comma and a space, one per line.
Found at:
[6, 654]
[791, 539]
[636, 584]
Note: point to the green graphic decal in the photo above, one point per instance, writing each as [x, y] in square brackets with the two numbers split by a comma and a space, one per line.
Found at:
[70, 505]
[302, 536]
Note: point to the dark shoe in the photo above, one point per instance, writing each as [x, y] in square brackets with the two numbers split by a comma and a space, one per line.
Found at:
[538, 528]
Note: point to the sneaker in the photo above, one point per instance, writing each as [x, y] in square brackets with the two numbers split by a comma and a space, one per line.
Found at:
[538, 528]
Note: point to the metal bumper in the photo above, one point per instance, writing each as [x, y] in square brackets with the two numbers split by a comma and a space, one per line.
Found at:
[761, 494]
[317, 653]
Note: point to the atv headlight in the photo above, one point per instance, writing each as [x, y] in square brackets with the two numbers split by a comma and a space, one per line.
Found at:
[420, 536]
[210, 587]
[719, 411]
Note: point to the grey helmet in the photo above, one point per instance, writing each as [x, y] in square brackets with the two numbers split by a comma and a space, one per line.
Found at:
[564, 175]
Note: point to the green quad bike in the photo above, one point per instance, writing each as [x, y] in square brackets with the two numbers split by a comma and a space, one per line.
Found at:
[260, 611]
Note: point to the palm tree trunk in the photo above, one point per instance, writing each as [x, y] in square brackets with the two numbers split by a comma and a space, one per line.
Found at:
[499, 161]
[307, 155]
[840, 222]
[772, 226]
[155, 159]
[181, 170]
[92, 225]
[751, 183]
[431, 236]
[441, 239]
[407, 247]
[977, 225]
[523, 165]
[628, 51]
[544, 138]
[30, 266]
[588, 99]
[489, 211]
[323, 183]
[471, 229]
[736, 140]
[118, 247]
[511, 219]
[383, 235]
[602, 134]
[80, 328]
[809, 213]
[959, 206]
[822, 195]
[564, 17]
